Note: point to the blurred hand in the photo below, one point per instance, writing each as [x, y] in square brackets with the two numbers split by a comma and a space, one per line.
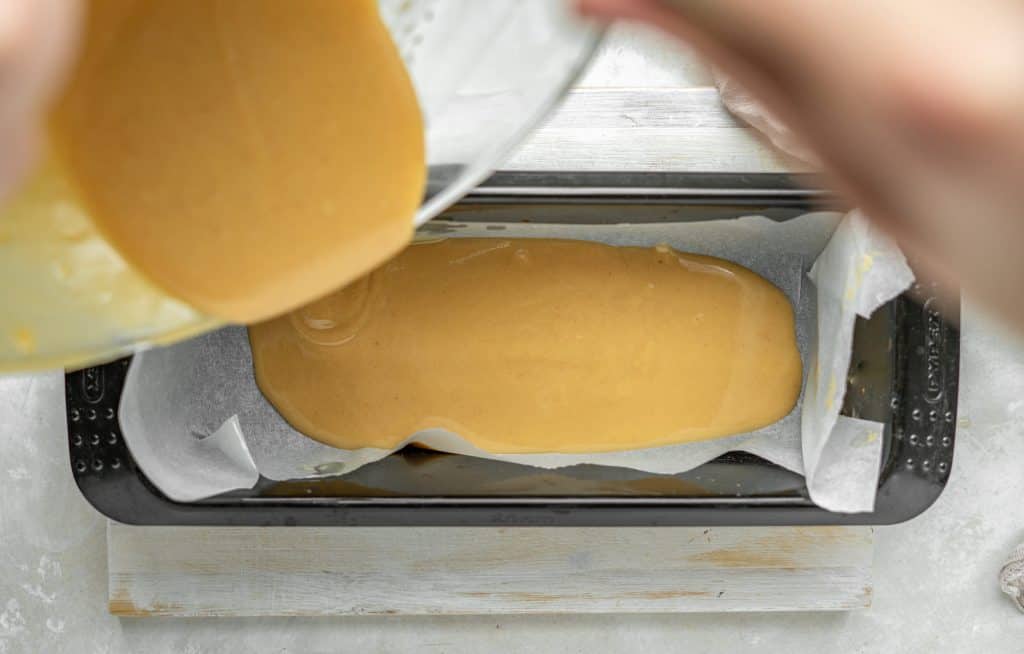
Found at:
[915, 109]
[37, 40]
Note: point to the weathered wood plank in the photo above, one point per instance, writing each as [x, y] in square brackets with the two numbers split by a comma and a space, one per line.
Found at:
[356, 571]
[641, 149]
[642, 107]
[647, 129]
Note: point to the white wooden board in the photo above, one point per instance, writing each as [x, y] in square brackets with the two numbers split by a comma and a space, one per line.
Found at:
[647, 129]
[156, 571]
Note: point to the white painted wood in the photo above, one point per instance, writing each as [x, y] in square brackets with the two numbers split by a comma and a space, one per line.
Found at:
[635, 55]
[647, 129]
[646, 107]
[357, 571]
[642, 149]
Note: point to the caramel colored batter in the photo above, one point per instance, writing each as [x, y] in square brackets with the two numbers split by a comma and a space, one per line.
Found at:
[535, 346]
[246, 155]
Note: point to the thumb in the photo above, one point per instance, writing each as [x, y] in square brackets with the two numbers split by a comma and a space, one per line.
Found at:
[37, 41]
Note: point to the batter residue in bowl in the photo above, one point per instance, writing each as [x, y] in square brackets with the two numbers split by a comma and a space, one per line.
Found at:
[246, 155]
[527, 345]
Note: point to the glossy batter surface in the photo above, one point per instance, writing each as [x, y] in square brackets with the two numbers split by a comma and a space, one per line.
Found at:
[246, 155]
[535, 346]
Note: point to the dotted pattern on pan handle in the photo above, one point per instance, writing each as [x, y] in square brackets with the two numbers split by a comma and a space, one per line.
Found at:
[924, 401]
[93, 395]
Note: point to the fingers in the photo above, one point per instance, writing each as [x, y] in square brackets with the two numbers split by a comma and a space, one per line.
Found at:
[916, 109]
[877, 89]
[37, 39]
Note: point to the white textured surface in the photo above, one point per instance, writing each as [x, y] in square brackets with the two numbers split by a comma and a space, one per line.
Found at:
[935, 577]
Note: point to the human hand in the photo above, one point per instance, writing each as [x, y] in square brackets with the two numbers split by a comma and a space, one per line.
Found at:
[914, 108]
[37, 39]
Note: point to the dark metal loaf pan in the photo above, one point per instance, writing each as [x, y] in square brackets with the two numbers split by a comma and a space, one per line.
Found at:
[903, 373]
